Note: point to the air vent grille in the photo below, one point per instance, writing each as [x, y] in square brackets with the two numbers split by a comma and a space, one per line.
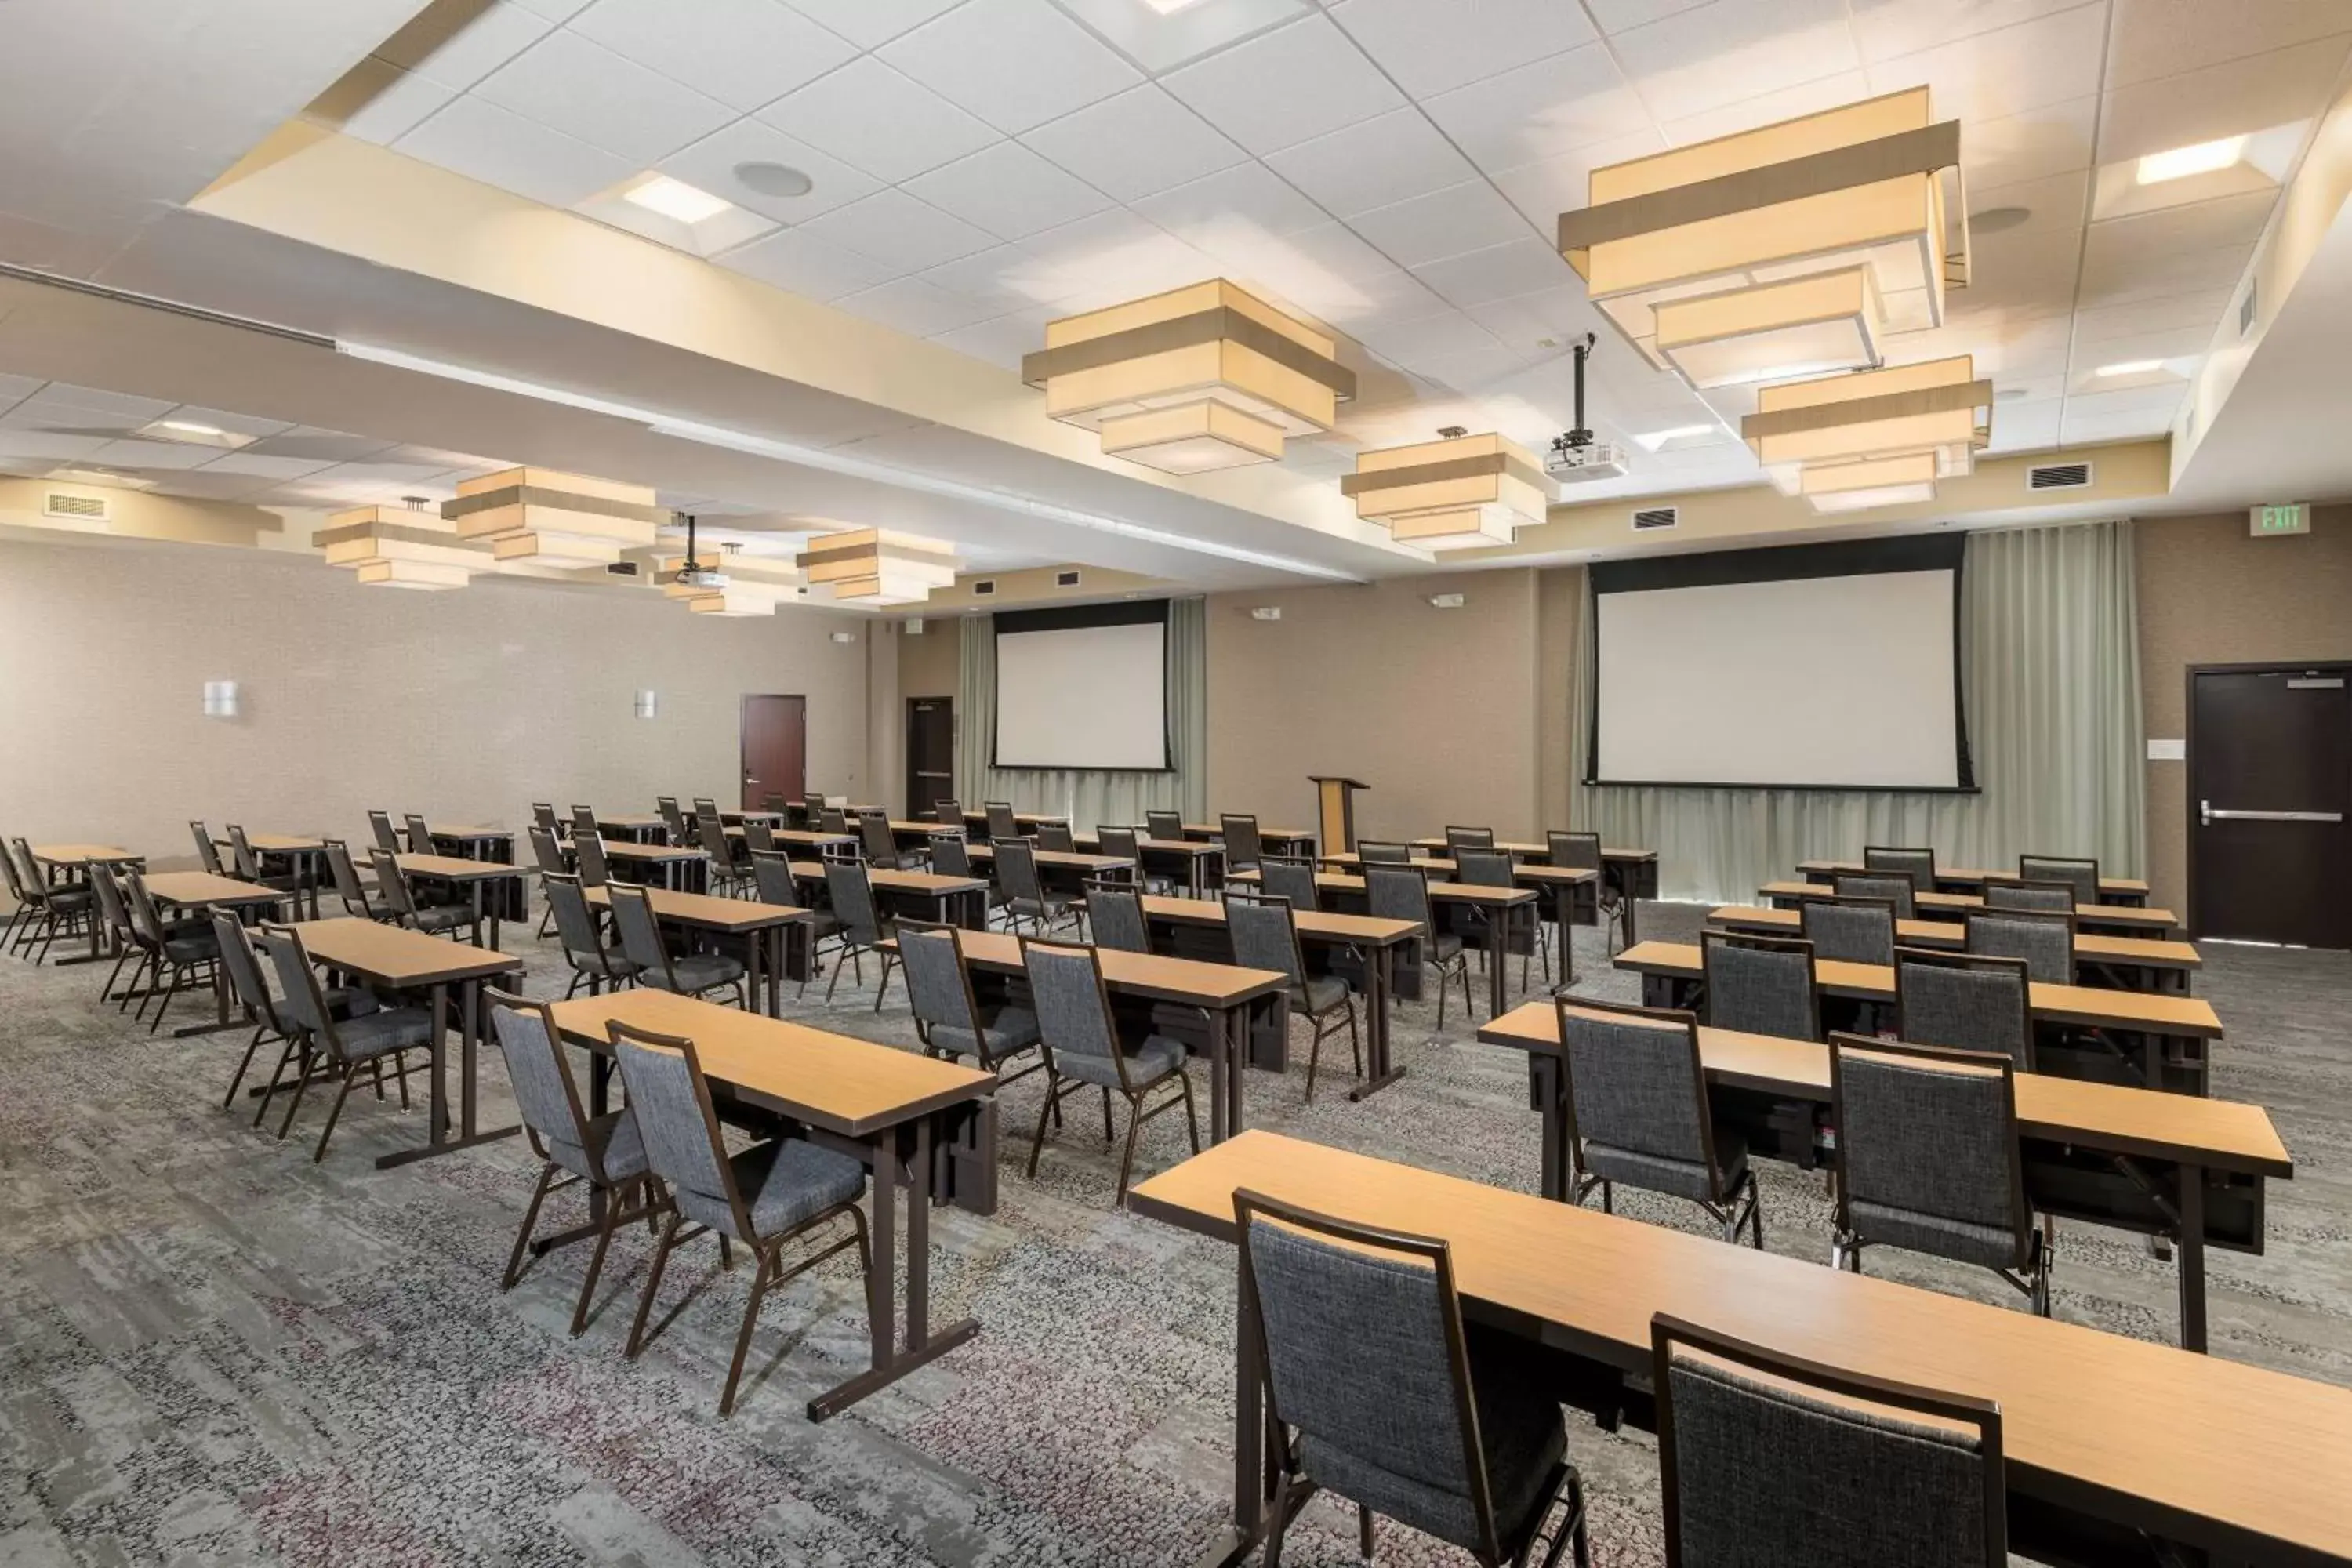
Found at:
[2058, 477]
[58, 503]
[1065, 579]
[621, 568]
[1648, 517]
[985, 587]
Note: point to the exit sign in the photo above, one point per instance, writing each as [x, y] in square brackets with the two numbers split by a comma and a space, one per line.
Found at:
[2265, 521]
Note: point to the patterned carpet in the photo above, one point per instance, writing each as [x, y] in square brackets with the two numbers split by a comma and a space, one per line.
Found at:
[213, 1352]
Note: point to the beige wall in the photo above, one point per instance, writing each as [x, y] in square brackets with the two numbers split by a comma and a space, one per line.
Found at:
[464, 705]
[2208, 594]
[1435, 709]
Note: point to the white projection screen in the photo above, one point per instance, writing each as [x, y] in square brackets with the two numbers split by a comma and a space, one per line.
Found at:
[1820, 666]
[1083, 688]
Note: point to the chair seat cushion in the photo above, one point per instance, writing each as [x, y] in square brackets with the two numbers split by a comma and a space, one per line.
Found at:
[1157, 1057]
[1320, 993]
[1660, 1173]
[1444, 946]
[615, 962]
[697, 972]
[193, 948]
[67, 897]
[616, 1135]
[442, 917]
[1013, 1030]
[1992, 1246]
[786, 1180]
[378, 1034]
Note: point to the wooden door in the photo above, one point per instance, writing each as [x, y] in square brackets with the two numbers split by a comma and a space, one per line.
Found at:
[2270, 790]
[930, 754]
[775, 749]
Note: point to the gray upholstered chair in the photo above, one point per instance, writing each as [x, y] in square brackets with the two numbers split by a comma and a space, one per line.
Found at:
[1401, 893]
[1383, 851]
[187, 950]
[318, 1041]
[1927, 1160]
[2044, 939]
[686, 974]
[387, 837]
[1919, 864]
[673, 818]
[1457, 839]
[863, 927]
[1024, 895]
[420, 834]
[1243, 849]
[1055, 837]
[207, 852]
[1490, 929]
[1848, 931]
[598, 965]
[1126, 843]
[547, 854]
[588, 854]
[772, 879]
[705, 807]
[766, 1196]
[728, 870]
[1409, 1413]
[400, 901]
[759, 839]
[1265, 936]
[948, 814]
[2050, 897]
[249, 867]
[606, 1154]
[1969, 1002]
[2080, 874]
[1896, 886]
[1114, 916]
[1288, 877]
[543, 815]
[950, 854]
[251, 990]
[1167, 825]
[949, 1019]
[113, 916]
[358, 894]
[1764, 1458]
[1760, 984]
[584, 820]
[1083, 1047]
[1579, 850]
[55, 909]
[833, 819]
[1638, 1114]
[1001, 822]
[881, 846]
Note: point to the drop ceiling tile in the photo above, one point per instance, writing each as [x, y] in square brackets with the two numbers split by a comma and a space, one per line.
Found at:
[1449, 332]
[14, 389]
[1545, 189]
[1432, 48]
[394, 102]
[129, 407]
[1561, 313]
[1248, 200]
[871, 118]
[1016, 64]
[1623, 15]
[1009, 191]
[1718, 54]
[711, 163]
[1460, 218]
[2105, 325]
[1279, 88]
[309, 441]
[1391, 158]
[802, 264]
[899, 231]
[262, 466]
[447, 45]
[1106, 259]
[2114, 275]
[872, 23]
[2050, 60]
[2223, 221]
[1006, 277]
[1390, 297]
[1542, 110]
[1469, 371]
[1518, 267]
[2156, 39]
[130, 454]
[1001, 341]
[380, 473]
[2121, 415]
[1885, 28]
[919, 309]
[2052, 202]
[1136, 144]
[482, 141]
[744, 53]
[46, 445]
[2051, 140]
[589, 93]
[2026, 427]
[1770, 108]
[233, 423]
[2173, 345]
[2227, 99]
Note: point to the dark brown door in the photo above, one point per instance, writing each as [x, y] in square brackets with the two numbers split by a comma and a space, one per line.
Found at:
[930, 754]
[775, 749]
[2270, 787]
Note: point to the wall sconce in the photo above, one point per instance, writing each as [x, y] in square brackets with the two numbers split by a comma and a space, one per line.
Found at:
[1445, 601]
[220, 699]
[648, 704]
[1266, 613]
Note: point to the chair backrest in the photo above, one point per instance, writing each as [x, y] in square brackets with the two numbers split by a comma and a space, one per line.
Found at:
[950, 856]
[1482, 868]
[1636, 1085]
[1017, 869]
[248, 864]
[545, 850]
[540, 1069]
[2044, 939]
[1765, 1457]
[772, 874]
[873, 833]
[588, 854]
[671, 1100]
[1460, 838]
[771, 801]
[346, 878]
[583, 819]
[1263, 934]
[301, 1004]
[542, 814]
[243, 970]
[391, 884]
[811, 809]
[759, 834]
[207, 852]
[704, 805]
[1243, 846]
[2052, 898]
[575, 921]
[1114, 914]
[715, 843]
[938, 986]
[1002, 823]
[831, 819]
[1896, 886]
[1165, 825]
[1397, 893]
[673, 818]
[1855, 930]
[1074, 1016]
[1415, 1423]
[1578, 851]
[1290, 879]
[948, 814]
[1122, 841]
[22, 879]
[1969, 1002]
[1383, 851]
[639, 929]
[1928, 1141]
[851, 886]
[1057, 837]
[2080, 874]
[420, 837]
[380, 824]
[1760, 984]
[111, 908]
[1919, 864]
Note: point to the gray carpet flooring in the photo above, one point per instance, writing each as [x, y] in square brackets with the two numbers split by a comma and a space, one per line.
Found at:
[213, 1351]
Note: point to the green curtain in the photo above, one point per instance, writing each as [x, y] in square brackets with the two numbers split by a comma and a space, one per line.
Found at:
[1091, 797]
[2049, 673]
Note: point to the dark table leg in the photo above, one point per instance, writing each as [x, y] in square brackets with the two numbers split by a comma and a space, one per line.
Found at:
[439, 1139]
[2191, 1261]
[1250, 1456]
[1220, 1053]
[1544, 1088]
[1381, 1068]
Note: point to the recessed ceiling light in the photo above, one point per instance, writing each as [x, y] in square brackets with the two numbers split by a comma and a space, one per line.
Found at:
[2130, 367]
[2182, 162]
[1657, 438]
[1169, 8]
[772, 179]
[1993, 220]
[190, 427]
[677, 199]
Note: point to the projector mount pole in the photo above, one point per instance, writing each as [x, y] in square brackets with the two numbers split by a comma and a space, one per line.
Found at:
[1580, 436]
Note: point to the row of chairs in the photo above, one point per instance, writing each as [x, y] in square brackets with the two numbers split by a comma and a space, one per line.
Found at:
[2078, 873]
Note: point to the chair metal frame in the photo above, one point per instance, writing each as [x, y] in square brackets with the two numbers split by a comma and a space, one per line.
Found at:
[1940, 958]
[1710, 940]
[1057, 1090]
[616, 892]
[1458, 965]
[1319, 1022]
[322, 1048]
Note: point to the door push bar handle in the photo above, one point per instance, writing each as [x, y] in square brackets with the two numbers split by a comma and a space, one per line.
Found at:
[2206, 812]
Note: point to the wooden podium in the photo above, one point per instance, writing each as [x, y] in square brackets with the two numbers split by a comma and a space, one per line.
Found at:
[1335, 810]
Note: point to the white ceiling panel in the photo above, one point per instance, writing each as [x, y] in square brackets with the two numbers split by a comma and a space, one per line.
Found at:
[477, 138]
[1001, 341]
[65, 397]
[1016, 64]
[1104, 260]
[2113, 274]
[2176, 347]
[2059, 202]
[2226, 100]
[590, 94]
[2156, 39]
[14, 389]
[2108, 323]
[1247, 200]
[919, 309]
[2026, 425]
[1469, 216]
[1522, 265]
[871, 22]
[1429, 48]
[1008, 278]
[1718, 54]
[871, 118]
[898, 230]
[1544, 190]
[262, 467]
[2009, 70]
[1279, 88]
[46, 444]
[1135, 144]
[2054, 139]
[1009, 191]
[1770, 108]
[710, 164]
[744, 53]
[802, 263]
[2223, 221]
[458, 57]
[1542, 110]
[1391, 158]
[398, 102]
[1885, 28]
[131, 454]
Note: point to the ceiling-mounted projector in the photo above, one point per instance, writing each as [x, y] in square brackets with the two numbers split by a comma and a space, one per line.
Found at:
[1575, 456]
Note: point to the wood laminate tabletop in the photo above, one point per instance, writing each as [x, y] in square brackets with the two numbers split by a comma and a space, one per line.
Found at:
[282, 843]
[2127, 886]
[457, 868]
[652, 853]
[1440, 892]
[708, 913]
[2135, 915]
[84, 855]
[932, 882]
[2150, 951]
[1067, 859]
[193, 887]
[1522, 847]
[1316, 925]
[396, 957]
[1187, 980]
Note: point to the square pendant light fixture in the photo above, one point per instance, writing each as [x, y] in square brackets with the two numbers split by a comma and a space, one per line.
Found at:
[1458, 493]
[875, 567]
[1873, 187]
[1937, 407]
[738, 586]
[1203, 377]
[1870, 482]
[397, 547]
[550, 519]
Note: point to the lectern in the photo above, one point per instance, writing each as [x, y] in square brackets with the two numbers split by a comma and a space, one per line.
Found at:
[1334, 806]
